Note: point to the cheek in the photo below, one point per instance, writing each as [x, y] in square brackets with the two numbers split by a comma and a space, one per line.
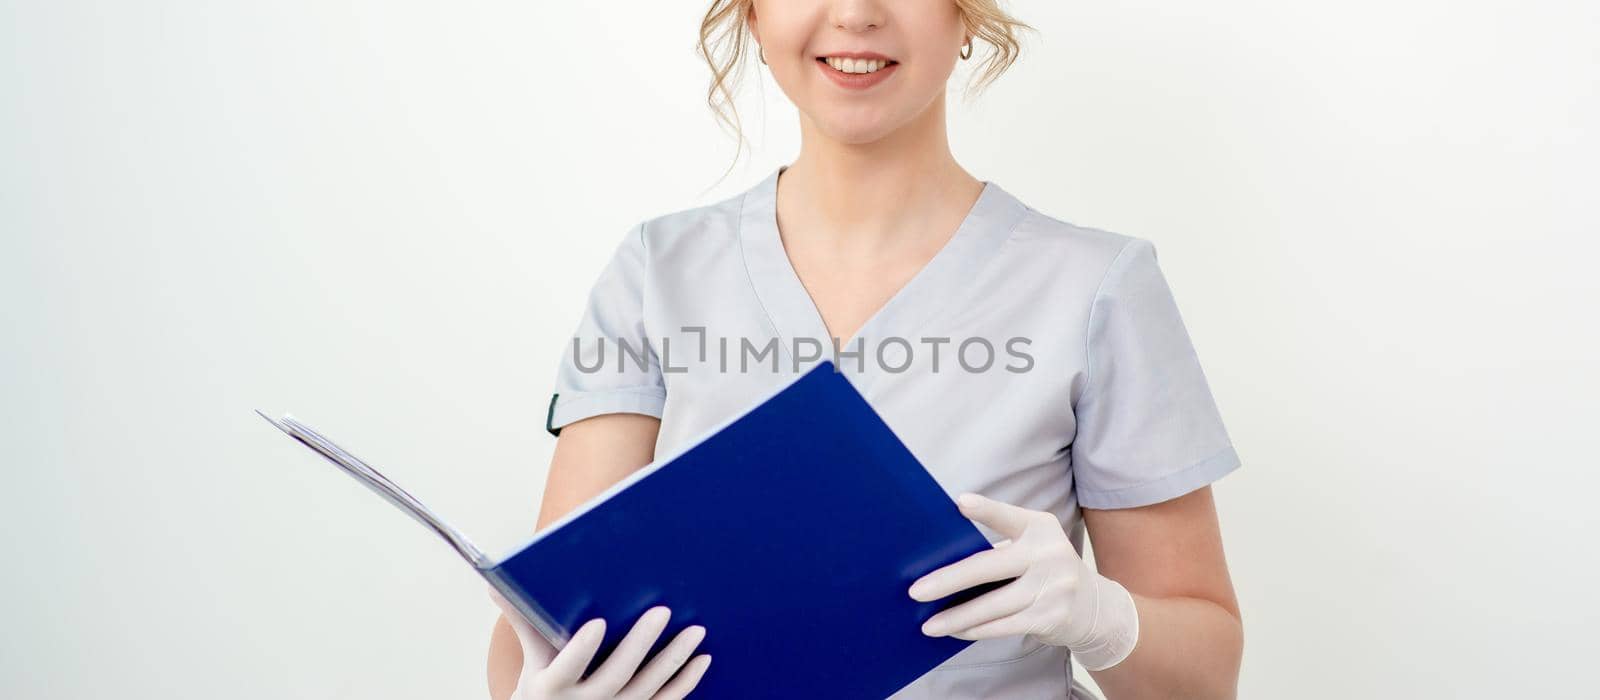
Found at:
[936, 35]
[785, 27]
[925, 80]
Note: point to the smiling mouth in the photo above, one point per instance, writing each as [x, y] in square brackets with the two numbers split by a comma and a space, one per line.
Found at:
[855, 66]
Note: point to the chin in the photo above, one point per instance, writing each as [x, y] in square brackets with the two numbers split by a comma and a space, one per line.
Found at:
[857, 130]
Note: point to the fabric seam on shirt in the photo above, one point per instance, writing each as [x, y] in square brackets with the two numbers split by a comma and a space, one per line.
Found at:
[749, 277]
[644, 285]
[999, 662]
[1112, 496]
[577, 397]
[1088, 324]
[965, 302]
[586, 401]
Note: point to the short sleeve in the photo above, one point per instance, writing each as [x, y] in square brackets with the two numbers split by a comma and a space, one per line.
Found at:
[1148, 429]
[609, 366]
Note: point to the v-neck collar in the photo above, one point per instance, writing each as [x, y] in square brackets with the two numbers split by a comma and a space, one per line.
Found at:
[937, 287]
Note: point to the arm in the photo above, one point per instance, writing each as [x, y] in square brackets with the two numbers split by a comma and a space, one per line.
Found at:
[591, 455]
[1191, 636]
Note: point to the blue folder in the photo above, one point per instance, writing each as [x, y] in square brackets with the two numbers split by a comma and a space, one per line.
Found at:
[791, 533]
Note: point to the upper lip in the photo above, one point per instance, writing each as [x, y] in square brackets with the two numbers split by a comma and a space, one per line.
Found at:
[868, 55]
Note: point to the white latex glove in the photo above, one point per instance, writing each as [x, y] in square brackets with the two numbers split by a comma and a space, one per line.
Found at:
[548, 674]
[1056, 597]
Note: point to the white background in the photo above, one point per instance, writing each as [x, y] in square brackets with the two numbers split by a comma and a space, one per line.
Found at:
[384, 217]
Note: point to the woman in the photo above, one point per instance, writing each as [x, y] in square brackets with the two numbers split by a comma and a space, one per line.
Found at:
[1040, 370]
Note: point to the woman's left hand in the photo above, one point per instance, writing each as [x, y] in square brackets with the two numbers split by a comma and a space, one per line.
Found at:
[1056, 597]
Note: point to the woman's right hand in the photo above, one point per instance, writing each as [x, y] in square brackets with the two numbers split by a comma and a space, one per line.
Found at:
[551, 674]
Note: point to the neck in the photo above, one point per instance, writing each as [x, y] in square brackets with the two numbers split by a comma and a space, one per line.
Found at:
[871, 196]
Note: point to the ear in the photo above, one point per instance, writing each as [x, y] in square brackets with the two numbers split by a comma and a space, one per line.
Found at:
[750, 20]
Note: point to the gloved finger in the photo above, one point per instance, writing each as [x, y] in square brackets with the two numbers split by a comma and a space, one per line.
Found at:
[536, 651]
[1004, 518]
[1006, 600]
[983, 567]
[1011, 625]
[625, 659]
[686, 680]
[567, 668]
[655, 674]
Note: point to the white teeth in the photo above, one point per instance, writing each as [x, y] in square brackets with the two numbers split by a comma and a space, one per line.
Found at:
[855, 65]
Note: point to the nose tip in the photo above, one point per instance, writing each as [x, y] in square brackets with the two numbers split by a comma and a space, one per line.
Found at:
[857, 16]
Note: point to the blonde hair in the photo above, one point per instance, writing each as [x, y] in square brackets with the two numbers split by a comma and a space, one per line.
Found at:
[725, 38]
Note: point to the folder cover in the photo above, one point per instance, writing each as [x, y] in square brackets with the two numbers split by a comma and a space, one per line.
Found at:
[791, 533]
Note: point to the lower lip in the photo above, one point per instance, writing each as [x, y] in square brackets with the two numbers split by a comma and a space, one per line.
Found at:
[857, 81]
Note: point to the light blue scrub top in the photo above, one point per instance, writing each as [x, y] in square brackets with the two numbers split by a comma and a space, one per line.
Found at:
[1104, 404]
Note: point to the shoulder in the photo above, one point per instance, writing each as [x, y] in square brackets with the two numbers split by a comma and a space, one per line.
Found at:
[690, 231]
[1085, 254]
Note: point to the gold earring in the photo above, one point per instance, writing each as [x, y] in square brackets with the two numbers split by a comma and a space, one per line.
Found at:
[761, 53]
[966, 50]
